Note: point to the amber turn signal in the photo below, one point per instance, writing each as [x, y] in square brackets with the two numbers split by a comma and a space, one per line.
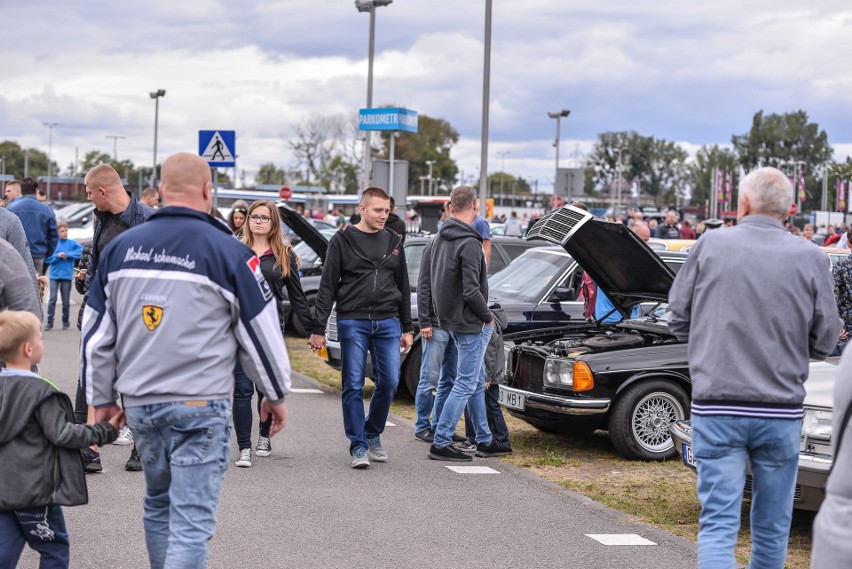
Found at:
[583, 378]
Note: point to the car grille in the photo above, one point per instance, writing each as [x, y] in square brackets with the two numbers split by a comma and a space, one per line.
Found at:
[331, 326]
[527, 371]
[748, 486]
[558, 225]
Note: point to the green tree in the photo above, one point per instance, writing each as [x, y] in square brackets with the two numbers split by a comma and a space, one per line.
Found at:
[269, 173]
[788, 142]
[14, 159]
[656, 165]
[700, 172]
[433, 141]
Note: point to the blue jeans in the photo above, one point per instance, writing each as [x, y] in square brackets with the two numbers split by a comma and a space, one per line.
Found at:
[494, 413]
[184, 446]
[43, 528]
[467, 386]
[723, 445]
[439, 361]
[64, 287]
[381, 338]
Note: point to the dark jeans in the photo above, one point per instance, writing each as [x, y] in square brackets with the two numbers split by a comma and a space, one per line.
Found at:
[243, 391]
[42, 528]
[494, 413]
[64, 288]
[381, 339]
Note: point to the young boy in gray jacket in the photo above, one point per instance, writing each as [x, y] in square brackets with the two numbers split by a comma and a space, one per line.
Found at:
[40, 465]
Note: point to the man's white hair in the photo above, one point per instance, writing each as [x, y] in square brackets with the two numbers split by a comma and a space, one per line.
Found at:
[768, 191]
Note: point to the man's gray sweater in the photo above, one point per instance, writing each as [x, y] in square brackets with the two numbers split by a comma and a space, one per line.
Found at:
[12, 231]
[755, 303]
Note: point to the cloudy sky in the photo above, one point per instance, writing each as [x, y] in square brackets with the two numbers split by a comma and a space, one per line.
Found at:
[692, 72]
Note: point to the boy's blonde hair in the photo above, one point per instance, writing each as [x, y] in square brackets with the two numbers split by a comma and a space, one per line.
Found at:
[60, 223]
[16, 327]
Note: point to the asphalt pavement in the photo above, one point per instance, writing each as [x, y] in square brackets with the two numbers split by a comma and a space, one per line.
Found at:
[303, 506]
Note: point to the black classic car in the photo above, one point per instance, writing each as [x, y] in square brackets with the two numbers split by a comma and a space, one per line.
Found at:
[630, 378]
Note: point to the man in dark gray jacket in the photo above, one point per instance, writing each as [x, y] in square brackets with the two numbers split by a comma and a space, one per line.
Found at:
[460, 301]
[755, 303]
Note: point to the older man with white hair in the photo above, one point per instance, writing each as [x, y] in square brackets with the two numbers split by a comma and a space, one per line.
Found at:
[755, 304]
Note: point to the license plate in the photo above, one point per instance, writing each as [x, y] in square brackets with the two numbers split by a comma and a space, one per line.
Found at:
[323, 353]
[512, 400]
[688, 457]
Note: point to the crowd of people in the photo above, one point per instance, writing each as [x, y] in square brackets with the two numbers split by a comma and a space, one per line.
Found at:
[156, 275]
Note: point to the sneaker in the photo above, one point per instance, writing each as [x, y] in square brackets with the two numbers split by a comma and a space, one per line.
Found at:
[125, 437]
[48, 327]
[245, 458]
[133, 464]
[487, 451]
[264, 446]
[359, 458]
[426, 435]
[448, 453]
[376, 451]
[91, 460]
[466, 447]
[503, 450]
[459, 438]
[66, 326]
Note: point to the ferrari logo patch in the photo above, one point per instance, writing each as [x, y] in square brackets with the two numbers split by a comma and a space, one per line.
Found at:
[152, 316]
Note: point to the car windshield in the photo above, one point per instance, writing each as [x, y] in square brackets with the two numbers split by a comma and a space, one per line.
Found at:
[527, 277]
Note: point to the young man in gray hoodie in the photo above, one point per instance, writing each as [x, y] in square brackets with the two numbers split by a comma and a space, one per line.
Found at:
[460, 301]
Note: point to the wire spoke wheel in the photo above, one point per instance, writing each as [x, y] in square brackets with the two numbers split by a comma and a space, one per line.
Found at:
[651, 418]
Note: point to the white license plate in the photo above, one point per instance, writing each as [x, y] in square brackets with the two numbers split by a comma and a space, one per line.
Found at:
[512, 400]
[688, 457]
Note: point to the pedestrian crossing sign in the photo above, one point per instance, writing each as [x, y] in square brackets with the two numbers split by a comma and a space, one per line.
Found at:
[218, 147]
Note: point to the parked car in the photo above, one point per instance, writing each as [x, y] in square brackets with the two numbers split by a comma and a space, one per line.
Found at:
[538, 290]
[671, 244]
[631, 378]
[815, 452]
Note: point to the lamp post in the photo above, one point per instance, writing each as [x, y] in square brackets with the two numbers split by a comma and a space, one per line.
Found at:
[115, 138]
[49, 126]
[558, 116]
[486, 95]
[156, 96]
[370, 6]
[429, 163]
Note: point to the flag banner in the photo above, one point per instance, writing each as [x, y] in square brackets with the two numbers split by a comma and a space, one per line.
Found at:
[720, 190]
[802, 194]
[841, 195]
[728, 178]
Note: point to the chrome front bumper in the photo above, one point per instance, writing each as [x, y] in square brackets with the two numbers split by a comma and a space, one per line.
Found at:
[562, 404]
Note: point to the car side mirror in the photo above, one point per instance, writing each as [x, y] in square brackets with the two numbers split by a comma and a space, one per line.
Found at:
[563, 294]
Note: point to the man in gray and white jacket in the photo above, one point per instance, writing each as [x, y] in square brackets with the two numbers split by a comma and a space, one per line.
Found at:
[755, 304]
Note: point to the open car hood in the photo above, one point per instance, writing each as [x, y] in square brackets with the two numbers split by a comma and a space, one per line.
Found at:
[302, 227]
[619, 262]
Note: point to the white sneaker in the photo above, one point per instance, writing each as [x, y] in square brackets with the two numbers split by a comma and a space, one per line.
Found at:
[245, 458]
[125, 436]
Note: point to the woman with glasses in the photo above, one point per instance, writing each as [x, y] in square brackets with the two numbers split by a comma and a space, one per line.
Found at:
[237, 217]
[280, 267]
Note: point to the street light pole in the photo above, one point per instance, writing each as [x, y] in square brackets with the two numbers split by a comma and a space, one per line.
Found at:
[115, 138]
[558, 116]
[430, 162]
[369, 6]
[156, 96]
[486, 94]
[49, 155]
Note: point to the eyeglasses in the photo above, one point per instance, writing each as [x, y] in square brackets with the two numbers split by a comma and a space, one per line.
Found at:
[260, 218]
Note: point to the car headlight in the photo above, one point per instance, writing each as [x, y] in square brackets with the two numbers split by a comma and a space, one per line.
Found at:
[817, 424]
[559, 371]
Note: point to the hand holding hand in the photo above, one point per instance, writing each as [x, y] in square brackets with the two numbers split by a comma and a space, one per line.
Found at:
[118, 420]
[108, 413]
[317, 341]
[278, 412]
